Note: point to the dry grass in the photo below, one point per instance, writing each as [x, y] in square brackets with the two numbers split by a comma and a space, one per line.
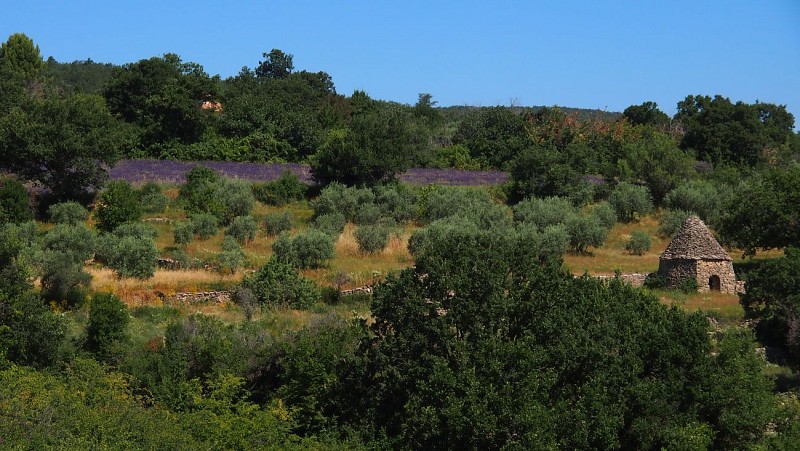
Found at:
[725, 307]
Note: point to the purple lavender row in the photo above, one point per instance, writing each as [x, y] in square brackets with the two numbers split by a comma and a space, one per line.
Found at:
[165, 171]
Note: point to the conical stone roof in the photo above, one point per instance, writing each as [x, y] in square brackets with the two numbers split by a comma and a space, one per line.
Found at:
[695, 242]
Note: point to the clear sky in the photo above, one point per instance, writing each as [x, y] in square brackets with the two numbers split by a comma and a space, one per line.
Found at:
[587, 54]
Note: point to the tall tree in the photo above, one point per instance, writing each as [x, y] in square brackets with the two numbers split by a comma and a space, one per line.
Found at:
[21, 56]
[276, 64]
[646, 114]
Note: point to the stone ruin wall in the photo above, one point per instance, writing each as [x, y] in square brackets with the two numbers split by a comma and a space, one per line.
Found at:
[676, 270]
[721, 268]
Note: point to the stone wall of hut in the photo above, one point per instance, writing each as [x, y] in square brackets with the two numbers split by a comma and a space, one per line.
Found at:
[720, 268]
[676, 270]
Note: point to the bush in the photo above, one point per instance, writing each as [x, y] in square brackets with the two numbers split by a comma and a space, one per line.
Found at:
[371, 238]
[137, 229]
[337, 198]
[639, 243]
[107, 326]
[197, 193]
[205, 192]
[585, 231]
[183, 232]
[630, 200]
[544, 212]
[367, 214]
[243, 229]
[236, 199]
[396, 201]
[312, 249]
[605, 213]
[277, 222]
[279, 284]
[671, 221]
[15, 206]
[331, 224]
[63, 280]
[231, 257]
[283, 249]
[279, 192]
[135, 257]
[71, 213]
[439, 202]
[698, 196]
[152, 199]
[119, 203]
[78, 242]
[205, 225]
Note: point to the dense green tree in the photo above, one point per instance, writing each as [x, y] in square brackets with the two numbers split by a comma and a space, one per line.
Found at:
[494, 136]
[15, 205]
[84, 76]
[119, 203]
[762, 211]
[542, 171]
[71, 213]
[107, 326]
[723, 132]
[278, 284]
[21, 56]
[646, 114]
[65, 144]
[377, 146]
[134, 256]
[656, 160]
[276, 64]
[161, 95]
[630, 200]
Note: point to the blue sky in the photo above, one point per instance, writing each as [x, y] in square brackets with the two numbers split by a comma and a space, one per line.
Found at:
[587, 54]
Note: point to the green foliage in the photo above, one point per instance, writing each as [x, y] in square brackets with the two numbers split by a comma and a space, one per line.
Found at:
[231, 257]
[331, 224]
[183, 232]
[312, 249]
[287, 188]
[494, 136]
[66, 249]
[71, 213]
[341, 199]
[152, 199]
[542, 171]
[119, 203]
[107, 326]
[133, 256]
[278, 222]
[276, 64]
[700, 197]
[367, 214]
[585, 231]
[283, 250]
[236, 199]
[544, 212]
[77, 241]
[723, 132]
[136, 229]
[763, 212]
[279, 284]
[396, 201]
[19, 55]
[772, 300]
[198, 190]
[456, 156]
[639, 243]
[672, 221]
[205, 225]
[15, 205]
[605, 213]
[243, 229]
[439, 202]
[378, 145]
[630, 200]
[371, 238]
[646, 114]
[65, 144]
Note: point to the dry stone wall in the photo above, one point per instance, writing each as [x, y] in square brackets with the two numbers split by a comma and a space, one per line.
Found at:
[720, 268]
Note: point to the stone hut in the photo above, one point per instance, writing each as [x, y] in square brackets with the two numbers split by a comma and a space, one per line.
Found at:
[694, 253]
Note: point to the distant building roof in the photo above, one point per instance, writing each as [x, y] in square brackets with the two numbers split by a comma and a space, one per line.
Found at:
[695, 242]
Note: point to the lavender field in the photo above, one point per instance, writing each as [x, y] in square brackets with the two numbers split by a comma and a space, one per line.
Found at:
[163, 171]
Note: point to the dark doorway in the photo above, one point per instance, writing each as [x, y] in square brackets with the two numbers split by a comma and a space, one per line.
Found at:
[713, 283]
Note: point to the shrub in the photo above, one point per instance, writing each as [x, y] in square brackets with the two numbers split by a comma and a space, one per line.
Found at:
[440, 202]
[245, 297]
[152, 199]
[630, 200]
[654, 281]
[277, 222]
[671, 221]
[279, 192]
[312, 249]
[15, 206]
[331, 224]
[138, 229]
[585, 231]
[396, 201]
[283, 249]
[78, 242]
[605, 213]
[134, 257]
[698, 196]
[639, 243]
[63, 279]
[544, 212]
[205, 225]
[183, 232]
[71, 213]
[118, 204]
[371, 238]
[231, 257]
[337, 198]
[243, 229]
[279, 284]
[107, 326]
[367, 214]
[236, 199]
[197, 193]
